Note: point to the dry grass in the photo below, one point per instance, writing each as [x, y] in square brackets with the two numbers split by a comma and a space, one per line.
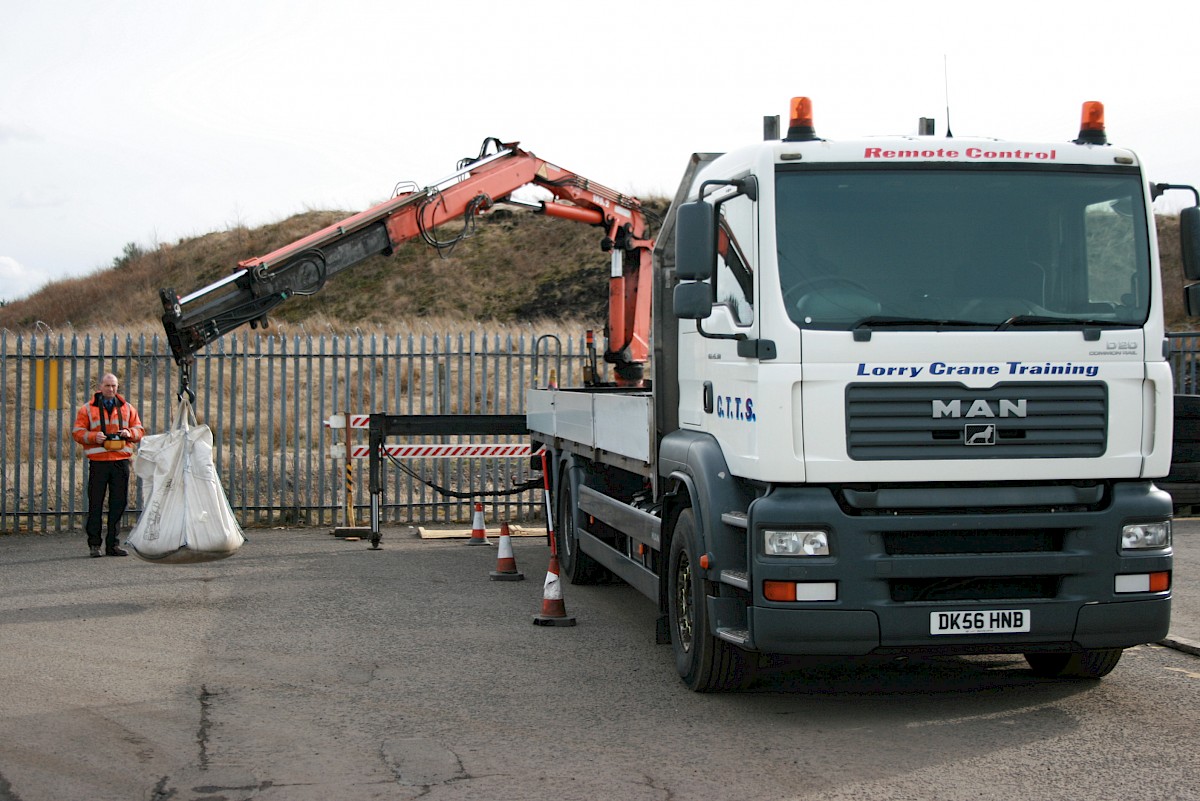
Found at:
[516, 268]
[1172, 274]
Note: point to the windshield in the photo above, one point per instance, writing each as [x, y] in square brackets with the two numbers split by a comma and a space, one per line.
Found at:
[962, 247]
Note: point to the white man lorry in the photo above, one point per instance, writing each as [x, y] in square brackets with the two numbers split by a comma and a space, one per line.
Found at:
[908, 395]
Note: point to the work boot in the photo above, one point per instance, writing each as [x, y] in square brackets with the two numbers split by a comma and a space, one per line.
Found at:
[95, 551]
[116, 550]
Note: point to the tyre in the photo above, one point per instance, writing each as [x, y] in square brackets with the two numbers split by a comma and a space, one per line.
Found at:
[1092, 664]
[705, 663]
[577, 566]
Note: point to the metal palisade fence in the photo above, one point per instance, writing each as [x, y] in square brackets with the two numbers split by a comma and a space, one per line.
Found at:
[1185, 362]
[267, 399]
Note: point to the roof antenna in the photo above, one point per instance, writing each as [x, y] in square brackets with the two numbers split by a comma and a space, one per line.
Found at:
[946, 81]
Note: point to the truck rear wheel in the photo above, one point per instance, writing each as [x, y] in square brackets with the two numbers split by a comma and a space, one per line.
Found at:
[577, 566]
[705, 663]
[1092, 664]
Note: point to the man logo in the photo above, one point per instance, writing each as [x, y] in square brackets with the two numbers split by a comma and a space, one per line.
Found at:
[977, 434]
[981, 408]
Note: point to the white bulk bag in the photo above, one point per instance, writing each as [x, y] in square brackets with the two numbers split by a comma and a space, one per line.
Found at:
[187, 517]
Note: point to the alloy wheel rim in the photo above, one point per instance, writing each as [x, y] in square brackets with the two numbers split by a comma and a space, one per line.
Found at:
[683, 601]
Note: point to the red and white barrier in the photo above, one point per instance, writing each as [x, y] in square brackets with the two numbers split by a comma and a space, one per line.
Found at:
[464, 450]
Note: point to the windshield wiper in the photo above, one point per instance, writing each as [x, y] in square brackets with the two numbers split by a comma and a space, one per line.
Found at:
[1033, 320]
[881, 321]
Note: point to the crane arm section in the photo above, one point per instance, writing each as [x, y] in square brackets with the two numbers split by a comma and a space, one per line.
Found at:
[302, 267]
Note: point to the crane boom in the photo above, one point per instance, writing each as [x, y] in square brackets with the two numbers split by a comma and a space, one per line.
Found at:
[302, 267]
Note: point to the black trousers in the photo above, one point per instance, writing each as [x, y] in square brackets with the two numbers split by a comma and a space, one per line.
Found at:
[113, 478]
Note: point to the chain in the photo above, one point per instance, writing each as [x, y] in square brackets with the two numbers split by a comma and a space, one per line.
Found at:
[185, 382]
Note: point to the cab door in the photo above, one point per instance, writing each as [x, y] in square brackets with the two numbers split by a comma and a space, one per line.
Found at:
[716, 383]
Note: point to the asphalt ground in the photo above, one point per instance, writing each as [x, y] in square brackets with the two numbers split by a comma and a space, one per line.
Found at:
[307, 667]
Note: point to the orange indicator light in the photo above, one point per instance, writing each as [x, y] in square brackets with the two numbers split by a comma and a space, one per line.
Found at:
[779, 590]
[1160, 582]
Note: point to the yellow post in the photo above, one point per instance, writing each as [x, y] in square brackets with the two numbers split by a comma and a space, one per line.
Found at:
[45, 384]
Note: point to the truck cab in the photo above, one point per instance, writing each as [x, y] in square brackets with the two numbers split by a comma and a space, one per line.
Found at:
[950, 309]
[923, 393]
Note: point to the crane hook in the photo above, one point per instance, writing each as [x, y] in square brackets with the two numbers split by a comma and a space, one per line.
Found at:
[185, 381]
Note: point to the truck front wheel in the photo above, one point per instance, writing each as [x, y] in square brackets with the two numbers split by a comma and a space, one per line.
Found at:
[1092, 664]
[705, 663]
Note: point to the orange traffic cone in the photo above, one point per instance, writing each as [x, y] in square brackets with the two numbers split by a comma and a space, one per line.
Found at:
[506, 562]
[478, 533]
[554, 610]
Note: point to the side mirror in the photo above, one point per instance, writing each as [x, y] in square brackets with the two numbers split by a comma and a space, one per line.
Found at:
[1189, 242]
[695, 242]
[692, 300]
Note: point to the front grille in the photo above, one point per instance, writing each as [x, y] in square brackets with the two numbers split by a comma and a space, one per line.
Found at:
[986, 588]
[1015, 420]
[940, 543]
[860, 500]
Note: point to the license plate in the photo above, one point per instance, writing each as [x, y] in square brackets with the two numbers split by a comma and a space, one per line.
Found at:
[980, 621]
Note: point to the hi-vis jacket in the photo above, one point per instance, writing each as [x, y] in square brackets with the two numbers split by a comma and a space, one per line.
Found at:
[94, 422]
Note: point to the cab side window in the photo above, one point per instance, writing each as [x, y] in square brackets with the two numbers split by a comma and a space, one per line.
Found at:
[735, 258]
[1113, 244]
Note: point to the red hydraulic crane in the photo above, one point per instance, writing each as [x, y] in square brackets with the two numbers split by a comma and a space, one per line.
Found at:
[302, 267]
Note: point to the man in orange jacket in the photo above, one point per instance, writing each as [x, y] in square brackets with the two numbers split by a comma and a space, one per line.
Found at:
[106, 427]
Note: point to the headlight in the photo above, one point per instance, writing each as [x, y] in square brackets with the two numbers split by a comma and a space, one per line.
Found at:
[796, 543]
[1140, 536]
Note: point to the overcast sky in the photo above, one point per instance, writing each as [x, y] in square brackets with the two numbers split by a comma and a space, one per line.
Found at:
[137, 121]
